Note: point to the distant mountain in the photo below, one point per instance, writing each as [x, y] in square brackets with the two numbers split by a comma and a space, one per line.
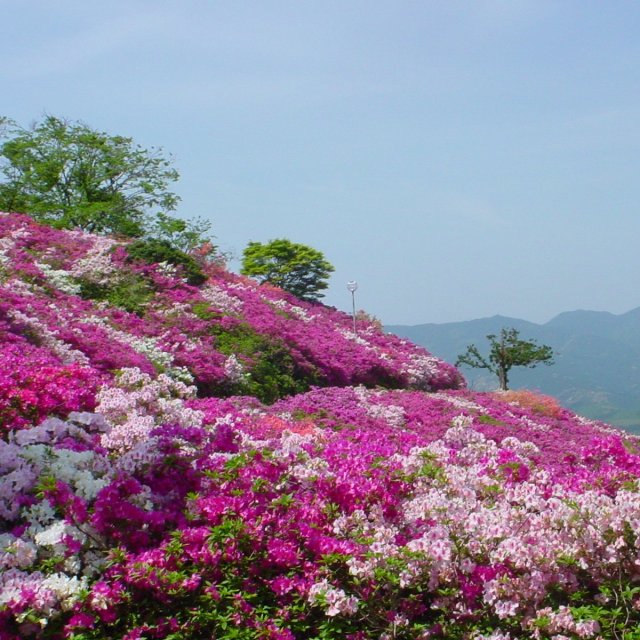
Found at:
[597, 362]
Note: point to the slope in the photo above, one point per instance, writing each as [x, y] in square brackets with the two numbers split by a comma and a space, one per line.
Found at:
[142, 498]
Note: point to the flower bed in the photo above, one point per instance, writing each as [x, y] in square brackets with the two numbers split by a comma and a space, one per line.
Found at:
[141, 499]
[341, 513]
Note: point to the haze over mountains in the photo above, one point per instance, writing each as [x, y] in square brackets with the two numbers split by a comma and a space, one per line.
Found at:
[597, 359]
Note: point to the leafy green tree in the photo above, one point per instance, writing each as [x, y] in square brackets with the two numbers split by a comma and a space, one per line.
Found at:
[69, 175]
[296, 268]
[507, 351]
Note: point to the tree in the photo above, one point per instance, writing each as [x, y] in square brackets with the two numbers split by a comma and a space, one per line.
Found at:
[296, 268]
[68, 175]
[507, 351]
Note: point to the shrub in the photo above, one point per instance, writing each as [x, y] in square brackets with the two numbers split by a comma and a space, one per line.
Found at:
[130, 292]
[33, 385]
[271, 370]
[155, 251]
[537, 402]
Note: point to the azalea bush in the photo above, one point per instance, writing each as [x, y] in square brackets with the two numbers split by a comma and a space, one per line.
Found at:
[34, 385]
[539, 402]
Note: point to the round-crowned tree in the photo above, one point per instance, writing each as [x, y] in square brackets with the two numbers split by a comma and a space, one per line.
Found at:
[296, 268]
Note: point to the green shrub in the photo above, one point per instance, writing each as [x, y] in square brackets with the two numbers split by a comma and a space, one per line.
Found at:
[272, 371]
[155, 251]
[130, 292]
[204, 311]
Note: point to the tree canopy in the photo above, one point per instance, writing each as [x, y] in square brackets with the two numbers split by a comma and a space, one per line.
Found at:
[507, 351]
[69, 175]
[296, 268]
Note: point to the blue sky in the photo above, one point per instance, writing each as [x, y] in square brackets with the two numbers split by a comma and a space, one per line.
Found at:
[457, 159]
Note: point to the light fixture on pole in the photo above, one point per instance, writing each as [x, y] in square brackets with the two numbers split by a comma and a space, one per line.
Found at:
[352, 285]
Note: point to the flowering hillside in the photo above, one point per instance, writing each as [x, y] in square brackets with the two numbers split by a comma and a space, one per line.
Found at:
[83, 300]
[224, 461]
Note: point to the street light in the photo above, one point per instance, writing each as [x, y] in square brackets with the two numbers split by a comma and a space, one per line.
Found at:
[352, 285]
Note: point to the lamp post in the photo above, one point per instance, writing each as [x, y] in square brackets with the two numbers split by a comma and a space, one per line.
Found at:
[352, 285]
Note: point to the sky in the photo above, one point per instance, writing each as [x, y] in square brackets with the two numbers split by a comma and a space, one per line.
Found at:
[457, 159]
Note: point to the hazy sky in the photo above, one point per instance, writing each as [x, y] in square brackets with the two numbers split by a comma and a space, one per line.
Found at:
[457, 159]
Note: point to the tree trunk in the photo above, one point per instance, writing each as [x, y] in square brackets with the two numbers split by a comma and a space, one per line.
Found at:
[503, 378]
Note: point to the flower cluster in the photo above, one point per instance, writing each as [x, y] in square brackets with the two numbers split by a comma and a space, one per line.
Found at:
[34, 384]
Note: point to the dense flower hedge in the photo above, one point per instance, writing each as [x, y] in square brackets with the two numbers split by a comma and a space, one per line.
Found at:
[140, 499]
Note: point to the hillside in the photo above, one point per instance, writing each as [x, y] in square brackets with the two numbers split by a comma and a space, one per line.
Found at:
[596, 371]
[83, 299]
[220, 460]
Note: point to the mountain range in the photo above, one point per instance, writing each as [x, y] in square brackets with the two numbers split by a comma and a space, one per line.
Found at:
[596, 370]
